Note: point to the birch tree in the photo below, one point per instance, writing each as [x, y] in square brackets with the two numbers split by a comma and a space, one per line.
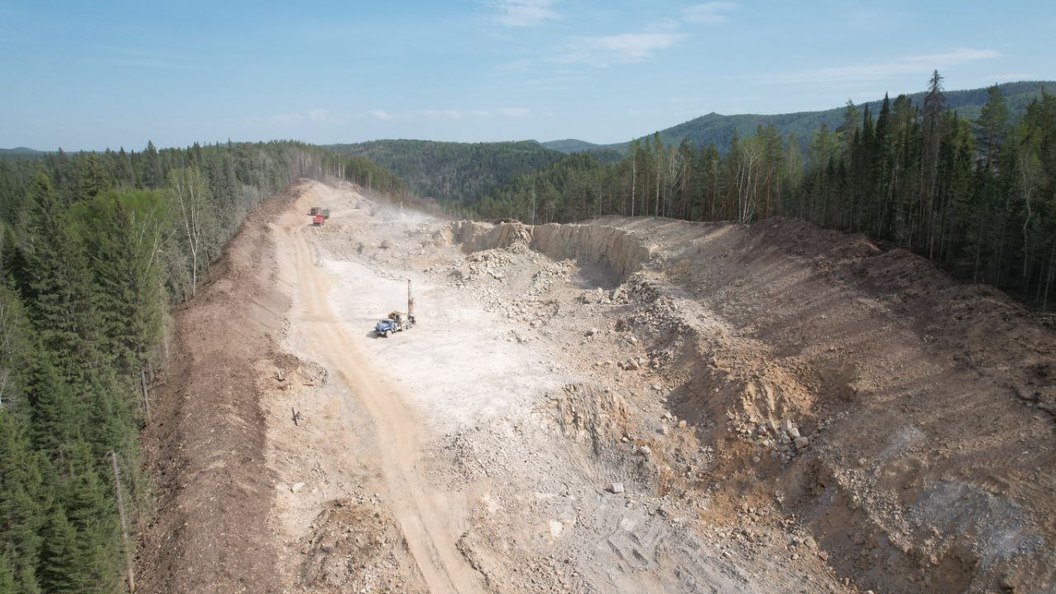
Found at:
[197, 219]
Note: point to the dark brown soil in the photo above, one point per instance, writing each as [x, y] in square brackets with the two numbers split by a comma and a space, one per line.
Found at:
[205, 444]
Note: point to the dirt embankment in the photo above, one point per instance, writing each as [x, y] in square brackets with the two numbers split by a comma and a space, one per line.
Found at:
[205, 446]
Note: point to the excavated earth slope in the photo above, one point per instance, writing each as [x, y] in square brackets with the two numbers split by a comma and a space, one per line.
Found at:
[905, 419]
[205, 443]
[641, 405]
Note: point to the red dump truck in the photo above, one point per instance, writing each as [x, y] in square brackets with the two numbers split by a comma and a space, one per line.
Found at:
[317, 220]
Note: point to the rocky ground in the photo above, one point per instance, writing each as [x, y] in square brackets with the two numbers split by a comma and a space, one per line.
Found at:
[627, 405]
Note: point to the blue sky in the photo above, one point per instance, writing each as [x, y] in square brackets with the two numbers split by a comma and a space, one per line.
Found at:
[91, 75]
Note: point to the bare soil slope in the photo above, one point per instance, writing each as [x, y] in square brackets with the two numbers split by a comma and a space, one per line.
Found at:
[205, 444]
[628, 405]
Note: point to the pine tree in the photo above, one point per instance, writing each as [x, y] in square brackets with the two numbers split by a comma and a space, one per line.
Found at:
[845, 131]
[934, 119]
[993, 124]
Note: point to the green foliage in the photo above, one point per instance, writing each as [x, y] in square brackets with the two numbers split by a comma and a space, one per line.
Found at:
[93, 249]
[16, 344]
[123, 232]
[718, 130]
[63, 566]
[977, 197]
[22, 506]
[7, 576]
[570, 145]
[450, 171]
[57, 284]
[93, 559]
[55, 412]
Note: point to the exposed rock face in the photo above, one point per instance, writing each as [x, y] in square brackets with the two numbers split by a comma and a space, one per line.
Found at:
[621, 250]
[904, 419]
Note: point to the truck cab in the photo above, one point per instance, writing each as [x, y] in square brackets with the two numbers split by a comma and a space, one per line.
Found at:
[396, 322]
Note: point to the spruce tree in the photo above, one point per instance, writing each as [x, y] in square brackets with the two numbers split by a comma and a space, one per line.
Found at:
[993, 124]
[90, 510]
[57, 414]
[7, 576]
[57, 286]
[151, 177]
[60, 559]
[123, 235]
[22, 501]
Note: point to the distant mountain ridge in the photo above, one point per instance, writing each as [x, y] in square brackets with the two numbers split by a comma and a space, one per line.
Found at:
[718, 129]
[20, 151]
[571, 145]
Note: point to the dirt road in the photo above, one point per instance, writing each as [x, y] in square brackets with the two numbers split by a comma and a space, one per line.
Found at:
[477, 429]
[329, 342]
[629, 405]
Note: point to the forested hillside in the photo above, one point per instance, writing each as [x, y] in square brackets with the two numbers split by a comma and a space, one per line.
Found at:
[19, 152]
[94, 247]
[976, 195]
[718, 129]
[571, 145]
[453, 171]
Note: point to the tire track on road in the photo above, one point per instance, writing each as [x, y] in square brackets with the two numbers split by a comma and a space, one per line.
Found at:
[421, 519]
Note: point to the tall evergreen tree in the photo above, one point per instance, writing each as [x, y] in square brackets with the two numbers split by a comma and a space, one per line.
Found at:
[22, 505]
[152, 176]
[993, 124]
[58, 288]
[934, 118]
[123, 234]
[88, 506]
[61, 561]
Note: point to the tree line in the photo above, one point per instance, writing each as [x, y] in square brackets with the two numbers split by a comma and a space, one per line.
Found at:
[94, 248]
[977, 196]
[453, 172]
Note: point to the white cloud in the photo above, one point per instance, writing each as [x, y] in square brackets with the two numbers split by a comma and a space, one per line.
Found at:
[523, 13]
[879, 71]
[381, 114]
[708, 12]
[624, 48]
